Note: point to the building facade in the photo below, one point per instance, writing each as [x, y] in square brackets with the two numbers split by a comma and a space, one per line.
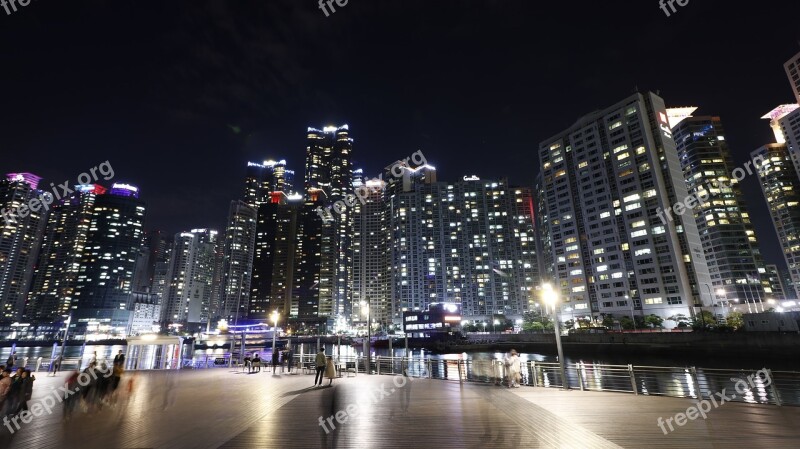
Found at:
[103, 292]
[729, 240]
[20, 238]
[63, 245]
[609, 183]
[781, 187]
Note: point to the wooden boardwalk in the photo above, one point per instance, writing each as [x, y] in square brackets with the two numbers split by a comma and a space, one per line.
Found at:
[220, 408]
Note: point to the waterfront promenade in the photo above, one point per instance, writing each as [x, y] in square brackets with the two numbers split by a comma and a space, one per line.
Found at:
[224, 408]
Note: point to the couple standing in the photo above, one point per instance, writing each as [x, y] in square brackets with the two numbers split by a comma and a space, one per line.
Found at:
[324, 365]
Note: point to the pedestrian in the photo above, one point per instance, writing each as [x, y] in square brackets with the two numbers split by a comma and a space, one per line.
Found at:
[257, 363]
[275, 360]
[119, 359]
[56, 365]
[70, 400]
[247, 363]
[289, 356]
[13, 398]
[513, 369]
[26, 390]
[330, 370]
[24, 362]
[319, 364]
[5, 389]
[38, 363]
[12, 360]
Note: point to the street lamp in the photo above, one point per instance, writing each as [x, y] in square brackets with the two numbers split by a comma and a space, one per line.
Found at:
[551, 297]
[630, 303]
[368, 346]
[275, 316]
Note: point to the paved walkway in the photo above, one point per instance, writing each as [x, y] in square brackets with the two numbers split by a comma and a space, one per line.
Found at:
[219, 408]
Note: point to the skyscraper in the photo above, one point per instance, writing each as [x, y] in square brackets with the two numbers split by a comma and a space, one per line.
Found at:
[781, 187]
[723, 221]
[240, 238]
[469, 242]
[328, 162]
[191, 279]
[59, 258]
[323, 280]
[792, 68]
[104, 288]
[274, 258]
[607, 181]
[20, 237]
[261, 179]
[371, 256]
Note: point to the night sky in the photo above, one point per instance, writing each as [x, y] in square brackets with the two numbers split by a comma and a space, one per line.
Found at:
[179, 95]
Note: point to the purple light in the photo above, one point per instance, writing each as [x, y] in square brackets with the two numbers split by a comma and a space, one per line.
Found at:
[28, 178]
[126, 190]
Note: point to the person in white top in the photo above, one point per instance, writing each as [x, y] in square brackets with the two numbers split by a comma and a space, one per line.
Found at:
[512, 363]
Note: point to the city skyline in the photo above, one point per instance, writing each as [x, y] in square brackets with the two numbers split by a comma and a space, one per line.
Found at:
[362, 69]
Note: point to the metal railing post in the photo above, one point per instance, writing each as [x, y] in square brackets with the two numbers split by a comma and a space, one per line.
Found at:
[535, 375]
[696, 381]
[633, 379]
[772, 388]
[378, 362]
[430, 369]
[458, 365]
[580, 375]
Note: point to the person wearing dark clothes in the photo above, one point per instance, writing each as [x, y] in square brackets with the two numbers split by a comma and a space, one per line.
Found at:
[289, 356]
[247, 364]
[26, 390]
[275, 361]
[119, 359]
[319, 363]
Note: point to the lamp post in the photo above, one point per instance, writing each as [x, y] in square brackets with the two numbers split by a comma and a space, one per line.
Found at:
[551, 298]
[630, 303]
[368, 346]
[275, 316]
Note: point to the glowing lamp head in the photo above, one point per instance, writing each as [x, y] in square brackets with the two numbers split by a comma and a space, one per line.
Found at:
[549, 295]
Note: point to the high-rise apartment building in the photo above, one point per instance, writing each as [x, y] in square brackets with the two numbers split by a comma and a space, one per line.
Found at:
[191, 279]
[329, 162]
[274, 258]
[63, 245]
[781, 187]
[723, 221]
[262, 179]
[792, 67]
[21, 227]
[103, 292]
[609, 183]
[240, 237]
[469, 242]
[371, 269]
[773, 276]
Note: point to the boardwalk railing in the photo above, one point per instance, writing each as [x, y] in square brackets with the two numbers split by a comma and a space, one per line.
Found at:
[762, 386]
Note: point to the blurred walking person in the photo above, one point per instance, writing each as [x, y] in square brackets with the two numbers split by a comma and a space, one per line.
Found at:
[513, 369]
[330, 370]
[289, 356]
[25, 390]
[5, 390]
[70, 400]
